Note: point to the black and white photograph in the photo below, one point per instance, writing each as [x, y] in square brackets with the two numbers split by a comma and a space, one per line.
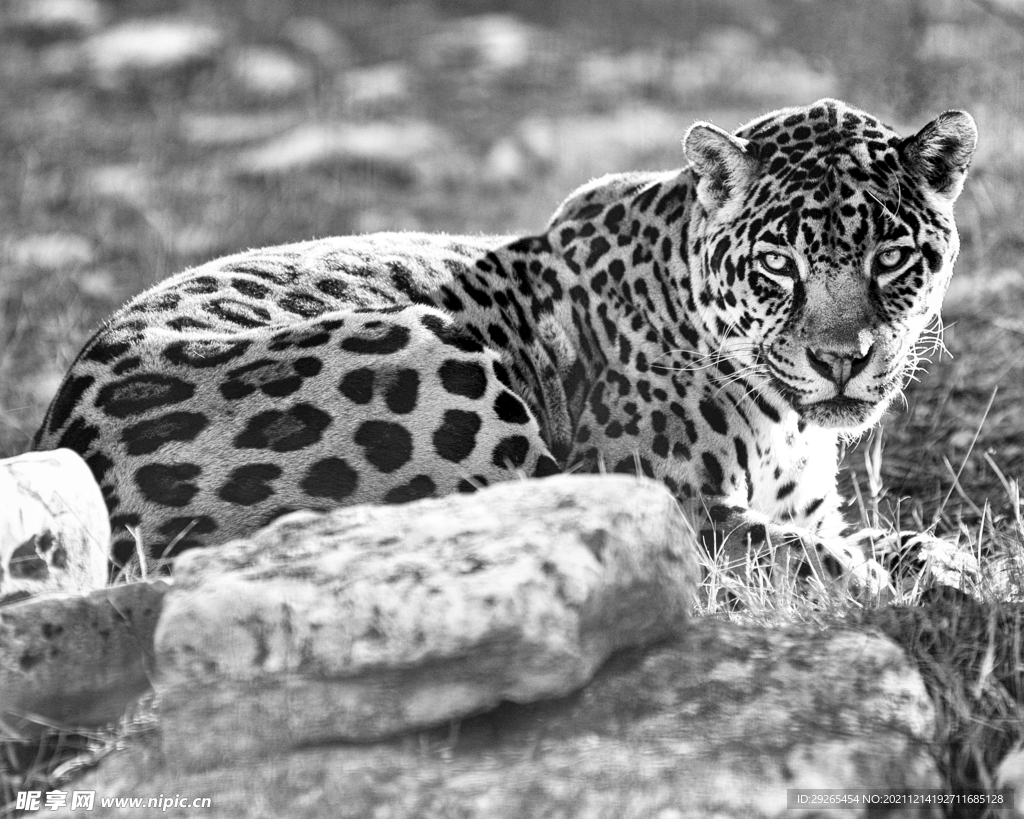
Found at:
[512, 409]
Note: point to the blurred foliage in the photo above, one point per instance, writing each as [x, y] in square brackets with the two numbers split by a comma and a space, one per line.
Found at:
[108, 184]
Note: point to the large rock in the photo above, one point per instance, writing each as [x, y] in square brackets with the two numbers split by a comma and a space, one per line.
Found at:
[1010, 774]
[74, 661]
[370, 621]
[719, 723]
[54, 530]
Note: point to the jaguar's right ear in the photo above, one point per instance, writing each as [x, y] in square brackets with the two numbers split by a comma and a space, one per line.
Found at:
[941, 152]
[726, 165]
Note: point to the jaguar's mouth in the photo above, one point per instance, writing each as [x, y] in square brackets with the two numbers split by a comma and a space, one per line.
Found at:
[840, 412]
[837, 412]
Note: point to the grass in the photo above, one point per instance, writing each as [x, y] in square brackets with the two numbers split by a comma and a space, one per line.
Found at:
[121, 173]
[969, 657]
[58, 757]
[968, 651]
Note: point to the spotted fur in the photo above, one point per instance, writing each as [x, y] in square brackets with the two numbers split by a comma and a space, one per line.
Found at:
[716, 327]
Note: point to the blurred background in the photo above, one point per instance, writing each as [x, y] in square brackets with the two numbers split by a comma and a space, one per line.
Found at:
[138, 137]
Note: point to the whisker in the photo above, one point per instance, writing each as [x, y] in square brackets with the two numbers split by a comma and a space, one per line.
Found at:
[708, 361]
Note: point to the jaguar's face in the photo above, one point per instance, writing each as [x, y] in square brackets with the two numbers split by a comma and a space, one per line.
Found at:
[849, 319]
[822, 252]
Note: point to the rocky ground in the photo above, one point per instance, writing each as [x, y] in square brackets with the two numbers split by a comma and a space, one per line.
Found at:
[505, 653]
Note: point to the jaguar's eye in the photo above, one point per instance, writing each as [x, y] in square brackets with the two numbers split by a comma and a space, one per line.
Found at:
[891, 259]
[777, 263]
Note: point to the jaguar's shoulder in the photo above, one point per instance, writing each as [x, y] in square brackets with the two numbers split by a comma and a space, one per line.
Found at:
[623, 191]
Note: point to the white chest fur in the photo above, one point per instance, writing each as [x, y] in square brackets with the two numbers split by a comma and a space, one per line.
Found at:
[793, 469]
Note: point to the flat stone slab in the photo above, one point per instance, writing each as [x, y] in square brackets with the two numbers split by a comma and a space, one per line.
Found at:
[54, 19]
[148, 48]
[268, 73]
[719, 723]
[76, 660]
[406, 149]
[371, 621]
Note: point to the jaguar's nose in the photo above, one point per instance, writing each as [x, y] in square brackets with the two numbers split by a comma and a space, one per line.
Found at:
[838, 366]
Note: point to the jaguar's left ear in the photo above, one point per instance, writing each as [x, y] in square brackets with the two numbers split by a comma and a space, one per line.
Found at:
[725, 164]
[941, 152]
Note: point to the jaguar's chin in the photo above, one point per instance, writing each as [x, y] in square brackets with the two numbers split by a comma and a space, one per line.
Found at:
[842, 413]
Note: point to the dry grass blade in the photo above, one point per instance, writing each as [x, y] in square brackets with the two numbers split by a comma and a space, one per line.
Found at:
[970, 449]
[1012, 491]
[969, 657]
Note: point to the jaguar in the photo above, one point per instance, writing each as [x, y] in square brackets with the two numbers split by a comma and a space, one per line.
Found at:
[720, 328]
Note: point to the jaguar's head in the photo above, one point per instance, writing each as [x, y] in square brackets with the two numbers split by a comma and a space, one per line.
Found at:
[820, 247]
